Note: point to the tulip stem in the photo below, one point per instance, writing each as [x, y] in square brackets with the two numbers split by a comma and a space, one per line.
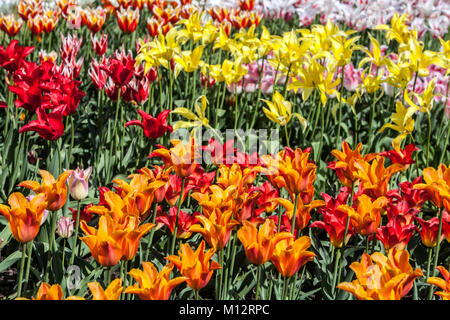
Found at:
[258, 281]
[430, 255]
[285, 287]
[108, 276]
[436, 254]
[287, 135]
[180, 201]
[293, 215]
[75, 240]
[63, 253]
[51, 244]
[338, 136]
[233, 255]
[429, 137]
[22, 263]
[27, 271]
[152, 232]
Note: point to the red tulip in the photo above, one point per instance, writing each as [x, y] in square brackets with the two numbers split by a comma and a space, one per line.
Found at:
[396, 234]
[401, 156]
[153, 127]
[13, 56]
[48, 126]
[185, 221]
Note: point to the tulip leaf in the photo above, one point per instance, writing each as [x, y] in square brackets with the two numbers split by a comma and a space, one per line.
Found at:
[10, 260]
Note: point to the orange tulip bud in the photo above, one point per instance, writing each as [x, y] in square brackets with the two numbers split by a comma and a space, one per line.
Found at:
[111, 293]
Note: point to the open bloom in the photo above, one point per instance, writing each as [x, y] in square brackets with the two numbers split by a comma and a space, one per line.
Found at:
[105, 243]
[55, 190]
[396, 233]
[444, 284]
[153, 285]
[259, 244]
[382, 278]
[437, 184]
[49, 126]
[367, 216]
[185, 221]
[195, 266]
[180, 157]
[111, 293]
[289, 255]
[216, 228]
[24, 217]
[51, 292]
[153, 127]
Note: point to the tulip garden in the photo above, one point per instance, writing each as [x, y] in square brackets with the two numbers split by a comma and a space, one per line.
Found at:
[119, 181]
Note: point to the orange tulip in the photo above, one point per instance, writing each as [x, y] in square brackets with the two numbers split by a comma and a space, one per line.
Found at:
[36, 24]
[217, 198]
[259, 244]
[299, 174]
[106, 243]
[118, 208]
[111, 293]
[444, 284]
[48, 292]
[133, 233]
[367, 217]
[195, 266]
[24, 217]
[345, 165]
[382, 278]
[151, 284]
[375, 177]
[289, 255]
[437, 184]
[180, 157]
[216, 228]
[303, 211]
[55, 190]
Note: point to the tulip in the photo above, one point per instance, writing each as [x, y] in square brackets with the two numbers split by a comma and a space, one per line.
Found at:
[127, 19]
[196, 266]
[216, 228]
[382, 278]
[259, 244]
[112, 292]
[289, 255]
[133, 234]
[444, 284]
[153, 285]
[367, 217]
[49, 126]
[334, 223]
[65, 227]
[13, 56]
[55, 190]
[153, 127]
[78, 183]
[396, 234]
[429, 231]
[100, 45]
[51, 292]
[10, 25]
[185, 222]
[105, 243]
[24, 217]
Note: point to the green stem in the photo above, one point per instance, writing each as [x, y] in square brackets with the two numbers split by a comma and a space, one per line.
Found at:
[27, 271]
[258, 281]
[338, 136]
[22, 263]
[285, 287]
[294, 214]
[152, 232]
[51, 244]
[75, 240]
[287, 135]
[436, 254]
[429, 137]
[180, 201]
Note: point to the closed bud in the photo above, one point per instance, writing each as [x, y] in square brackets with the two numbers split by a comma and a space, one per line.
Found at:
[78, 183]
[65, 227]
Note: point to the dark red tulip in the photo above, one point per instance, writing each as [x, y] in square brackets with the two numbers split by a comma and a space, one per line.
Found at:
[13, 56]
[401, 156]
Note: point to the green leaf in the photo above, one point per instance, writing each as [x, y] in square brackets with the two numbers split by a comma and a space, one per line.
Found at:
[10, 260]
